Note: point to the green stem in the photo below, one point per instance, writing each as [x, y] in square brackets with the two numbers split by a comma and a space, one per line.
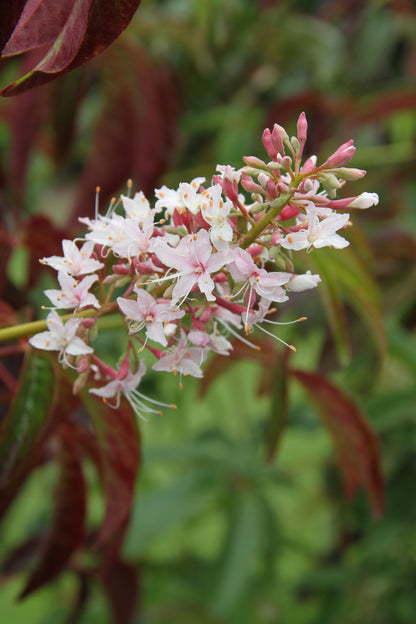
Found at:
[275, 207]
[28, 329]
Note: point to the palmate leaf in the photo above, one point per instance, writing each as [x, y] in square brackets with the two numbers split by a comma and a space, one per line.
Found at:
[67, 532]
[356, 444]
[72, 32]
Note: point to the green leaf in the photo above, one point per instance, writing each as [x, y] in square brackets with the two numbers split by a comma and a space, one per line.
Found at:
[242, 552]
[28, 413]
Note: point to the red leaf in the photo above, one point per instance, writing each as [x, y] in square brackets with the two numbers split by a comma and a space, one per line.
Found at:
[121, 587]
[67, 531]
[9, 15]
[75, 33]
[39, 24]
[138, 125]
[355, 442]
[118, 444]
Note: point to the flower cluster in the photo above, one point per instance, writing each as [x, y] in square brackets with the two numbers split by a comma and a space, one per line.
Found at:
[201, 265]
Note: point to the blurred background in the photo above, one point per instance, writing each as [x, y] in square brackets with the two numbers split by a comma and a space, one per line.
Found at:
[218, 535]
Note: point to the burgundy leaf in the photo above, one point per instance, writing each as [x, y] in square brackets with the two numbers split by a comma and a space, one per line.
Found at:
[42, 239]
[26, 116]
[67, 532]
[355, 442]
[121, 587]
[75, 33]
[119, 447]
[40, 23]
[9, 16]
[136, 133]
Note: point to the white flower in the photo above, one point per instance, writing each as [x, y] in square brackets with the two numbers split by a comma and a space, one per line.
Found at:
[61, 337]
[75, 261]
[365, 200]
[73, 294]
[303, 282]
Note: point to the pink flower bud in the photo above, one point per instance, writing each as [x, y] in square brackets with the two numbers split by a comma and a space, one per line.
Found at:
[249, 185]
[277, 139]
[88, 322]
[276, 236]
[271, 189]
[288, 212]
[83, 364]
[309, 164]
[268, 144]
[341, 156]
[302, 127]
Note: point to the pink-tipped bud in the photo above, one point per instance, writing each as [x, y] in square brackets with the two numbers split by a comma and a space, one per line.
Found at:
[286, 162]
[309, 164]
[263, 179]
[277, 139]
[306, 186]
[268, 144]
[88, 323]
[341, 156]
[249, 185]
[271, 189]
[276, 236]
[302, 127]
[288, 212]
[282, 187]
[349, 173]
[253, 161]
[230, 189]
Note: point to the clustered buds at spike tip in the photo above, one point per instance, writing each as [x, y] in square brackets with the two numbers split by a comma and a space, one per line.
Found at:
[203, 264]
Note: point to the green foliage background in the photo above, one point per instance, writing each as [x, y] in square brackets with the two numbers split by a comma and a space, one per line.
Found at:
[217, 534]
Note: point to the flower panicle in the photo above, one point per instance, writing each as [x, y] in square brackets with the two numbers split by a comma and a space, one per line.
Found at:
[204, 263]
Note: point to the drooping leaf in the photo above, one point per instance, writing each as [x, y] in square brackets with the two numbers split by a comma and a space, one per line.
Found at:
[242, 551]
[74, 31]
[276, 420]
[67, 531]
[27, 415]
[119, 448]
[9, 16]
[136, 132]
[355, 442]
[121, 587]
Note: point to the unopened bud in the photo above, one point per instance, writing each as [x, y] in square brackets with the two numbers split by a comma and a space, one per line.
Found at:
[253, 161]
[286, 162]
[341, 156]
[263, 179]
[271, 189]
[268, 144]
[277, 139]
[309, 164]
[349, 174]
[298, 283]
[365, 200]
[306, 186]
[302, 128]
[295, 144]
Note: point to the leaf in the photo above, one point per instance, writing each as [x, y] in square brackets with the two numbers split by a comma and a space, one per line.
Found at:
[160, 510]
[67, 532]
[9, 16]
[355, 442]
[118, 443]
[279, 406]
[242, 553]
[121, 587]
[27, 416]
[138, 123]
[76, 32]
